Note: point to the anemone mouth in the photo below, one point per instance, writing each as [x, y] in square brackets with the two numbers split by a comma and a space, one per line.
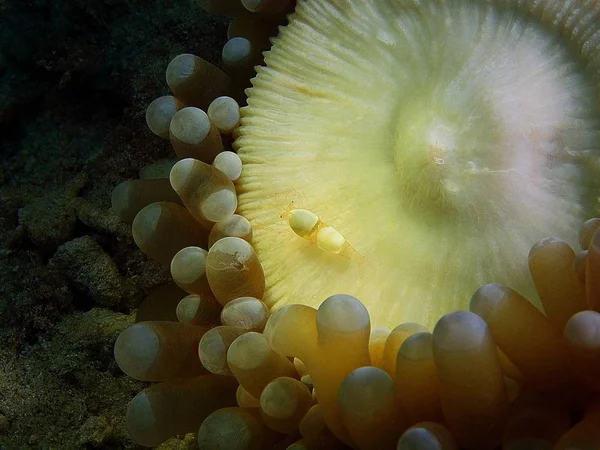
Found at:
[441, 139]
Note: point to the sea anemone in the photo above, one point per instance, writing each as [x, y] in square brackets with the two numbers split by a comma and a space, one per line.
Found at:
[399, 165]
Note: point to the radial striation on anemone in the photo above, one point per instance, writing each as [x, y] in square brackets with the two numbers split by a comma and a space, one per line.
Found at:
[441, 139]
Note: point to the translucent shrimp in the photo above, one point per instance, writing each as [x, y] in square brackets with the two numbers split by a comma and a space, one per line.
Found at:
[307, 225]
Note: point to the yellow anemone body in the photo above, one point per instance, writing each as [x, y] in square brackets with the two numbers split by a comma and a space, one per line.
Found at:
[441, 140]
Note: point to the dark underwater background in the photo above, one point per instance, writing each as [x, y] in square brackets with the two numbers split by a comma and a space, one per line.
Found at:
[75, 79]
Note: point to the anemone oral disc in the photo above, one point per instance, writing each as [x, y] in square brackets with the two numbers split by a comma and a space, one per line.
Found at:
[440, 139]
